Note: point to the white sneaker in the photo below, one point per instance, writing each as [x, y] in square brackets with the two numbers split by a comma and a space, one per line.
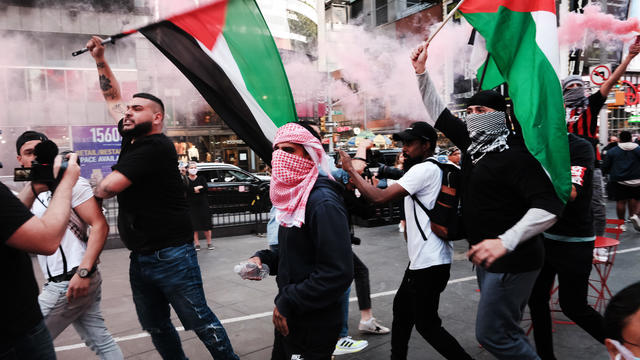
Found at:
[601, 254]
[347, 345]
[635, 221]
[623, 228]
[372, 326]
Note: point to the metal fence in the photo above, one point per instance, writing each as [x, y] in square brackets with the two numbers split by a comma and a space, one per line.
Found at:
[252, 218]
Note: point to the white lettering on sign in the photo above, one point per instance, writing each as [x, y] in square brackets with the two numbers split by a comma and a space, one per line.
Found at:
[105, 134]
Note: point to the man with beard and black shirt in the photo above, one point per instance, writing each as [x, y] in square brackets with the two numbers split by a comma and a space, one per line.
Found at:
[582, 120]
[507, 201]
[154, 223]
[417, 300]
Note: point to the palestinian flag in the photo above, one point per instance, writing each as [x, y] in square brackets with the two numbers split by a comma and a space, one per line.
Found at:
[522, 44]
[226, 50]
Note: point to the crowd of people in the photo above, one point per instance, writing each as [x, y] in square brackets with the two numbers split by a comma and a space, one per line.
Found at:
[520, 234]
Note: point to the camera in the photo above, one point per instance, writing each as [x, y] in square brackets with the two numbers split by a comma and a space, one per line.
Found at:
[41, 169]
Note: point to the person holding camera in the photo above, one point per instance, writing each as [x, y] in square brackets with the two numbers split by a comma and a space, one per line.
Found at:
[24, 335]
[71, 272]
[417, 300]
[154, 223]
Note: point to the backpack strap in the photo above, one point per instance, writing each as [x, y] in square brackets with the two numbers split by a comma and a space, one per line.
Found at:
[424, 208]
[415, 215]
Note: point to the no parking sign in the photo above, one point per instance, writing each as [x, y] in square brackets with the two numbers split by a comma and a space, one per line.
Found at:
[600, 74]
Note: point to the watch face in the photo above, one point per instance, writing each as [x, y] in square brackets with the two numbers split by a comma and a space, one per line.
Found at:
[83, 273]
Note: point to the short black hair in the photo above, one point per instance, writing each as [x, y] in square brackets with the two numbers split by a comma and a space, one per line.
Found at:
[625, 136]
[620, 308]
[150, 97]
[29, 136]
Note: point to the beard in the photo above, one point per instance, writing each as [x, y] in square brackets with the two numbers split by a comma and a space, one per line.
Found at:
[138, 130]
[409, 162]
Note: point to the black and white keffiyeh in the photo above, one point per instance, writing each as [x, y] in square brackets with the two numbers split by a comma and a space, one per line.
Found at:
[488, 133]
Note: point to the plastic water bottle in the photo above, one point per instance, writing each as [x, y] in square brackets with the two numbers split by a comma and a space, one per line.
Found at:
[248, 270]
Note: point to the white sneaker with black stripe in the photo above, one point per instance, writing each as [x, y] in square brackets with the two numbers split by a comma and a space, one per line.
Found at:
[372, 326]
[347, 345]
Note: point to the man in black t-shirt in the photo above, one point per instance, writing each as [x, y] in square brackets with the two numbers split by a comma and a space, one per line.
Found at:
[23, 334]
[507, 201]
[568, 249]
[154, 223]
[582, 120]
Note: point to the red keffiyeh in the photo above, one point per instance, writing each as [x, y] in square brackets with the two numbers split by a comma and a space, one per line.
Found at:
[293, 177]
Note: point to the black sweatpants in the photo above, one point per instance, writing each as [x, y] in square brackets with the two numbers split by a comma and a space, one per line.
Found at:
[416, 303]
[310, 341]
[571, 261]
[361, 279]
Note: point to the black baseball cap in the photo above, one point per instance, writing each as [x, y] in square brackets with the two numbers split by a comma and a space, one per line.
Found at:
[29, 136]
[417, 130]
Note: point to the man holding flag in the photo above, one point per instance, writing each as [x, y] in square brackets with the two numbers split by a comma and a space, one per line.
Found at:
[154, 223]
[507, 201]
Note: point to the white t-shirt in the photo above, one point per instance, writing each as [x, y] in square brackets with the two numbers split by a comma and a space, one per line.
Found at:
[423, 180]
[73, 247]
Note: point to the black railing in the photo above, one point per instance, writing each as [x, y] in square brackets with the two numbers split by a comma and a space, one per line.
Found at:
[231, 218]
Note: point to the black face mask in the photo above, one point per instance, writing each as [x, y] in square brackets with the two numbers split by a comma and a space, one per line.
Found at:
[138, 130]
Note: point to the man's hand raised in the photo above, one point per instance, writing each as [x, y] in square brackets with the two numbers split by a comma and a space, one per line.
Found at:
[634, 49]
[96, 48]
[419, 58]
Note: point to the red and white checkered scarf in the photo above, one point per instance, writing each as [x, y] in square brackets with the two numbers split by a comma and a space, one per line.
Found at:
[293, 177]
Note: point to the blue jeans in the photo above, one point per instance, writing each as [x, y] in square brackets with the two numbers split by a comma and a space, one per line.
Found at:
[345, 313]
[84, 313]
[171, 276]
[503, 297]
[35, 344]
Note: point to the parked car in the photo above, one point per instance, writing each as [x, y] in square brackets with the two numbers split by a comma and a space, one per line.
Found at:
[232, 189]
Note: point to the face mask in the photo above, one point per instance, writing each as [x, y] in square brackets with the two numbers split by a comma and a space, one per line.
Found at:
[623, 352]
[193, 171]
[574, 97]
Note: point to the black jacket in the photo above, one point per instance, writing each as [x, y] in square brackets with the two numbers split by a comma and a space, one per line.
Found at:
[314, 265]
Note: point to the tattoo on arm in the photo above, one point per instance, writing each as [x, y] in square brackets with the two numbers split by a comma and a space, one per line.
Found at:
[105, 83]
[119, 108]
[100, 65]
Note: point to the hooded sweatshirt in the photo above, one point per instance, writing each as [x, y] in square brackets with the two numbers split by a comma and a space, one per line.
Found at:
[314, 265]
[622, 162]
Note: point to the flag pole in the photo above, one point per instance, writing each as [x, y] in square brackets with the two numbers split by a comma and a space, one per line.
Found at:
[111, 39]
[444, 22]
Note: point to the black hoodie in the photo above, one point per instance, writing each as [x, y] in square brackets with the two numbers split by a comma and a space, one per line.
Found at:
[314, 266]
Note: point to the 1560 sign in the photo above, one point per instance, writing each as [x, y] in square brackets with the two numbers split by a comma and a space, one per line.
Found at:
[105, 134]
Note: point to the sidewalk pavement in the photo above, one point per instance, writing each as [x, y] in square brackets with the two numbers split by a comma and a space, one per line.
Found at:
[245, 306]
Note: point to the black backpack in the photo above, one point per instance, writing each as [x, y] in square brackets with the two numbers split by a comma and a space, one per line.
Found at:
[446, 215]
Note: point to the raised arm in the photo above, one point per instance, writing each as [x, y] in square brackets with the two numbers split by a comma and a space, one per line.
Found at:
[440, 117]
[108, 82]
[634, 49]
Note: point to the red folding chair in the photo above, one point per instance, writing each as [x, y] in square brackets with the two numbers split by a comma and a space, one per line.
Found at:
[603, 260]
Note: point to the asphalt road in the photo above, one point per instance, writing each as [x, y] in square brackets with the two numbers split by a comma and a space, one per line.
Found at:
[245, 306]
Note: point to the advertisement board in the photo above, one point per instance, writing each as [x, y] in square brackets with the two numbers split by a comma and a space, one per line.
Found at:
[98, 147]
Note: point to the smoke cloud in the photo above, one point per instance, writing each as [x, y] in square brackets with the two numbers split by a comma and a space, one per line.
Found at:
[594, 24]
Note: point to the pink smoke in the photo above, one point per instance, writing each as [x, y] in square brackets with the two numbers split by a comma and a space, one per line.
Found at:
[605, 27]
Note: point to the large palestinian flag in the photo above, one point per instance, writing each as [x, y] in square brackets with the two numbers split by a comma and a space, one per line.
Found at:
[226, 50]
[522, 44]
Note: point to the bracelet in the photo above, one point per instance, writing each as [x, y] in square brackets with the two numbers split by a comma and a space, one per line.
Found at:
[358, 158]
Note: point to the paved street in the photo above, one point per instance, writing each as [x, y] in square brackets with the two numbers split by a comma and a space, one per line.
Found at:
[245, 306]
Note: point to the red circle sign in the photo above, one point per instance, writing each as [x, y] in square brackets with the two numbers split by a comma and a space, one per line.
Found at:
[600, 74]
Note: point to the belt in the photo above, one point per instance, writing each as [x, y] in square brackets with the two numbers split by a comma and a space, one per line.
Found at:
[68, 275]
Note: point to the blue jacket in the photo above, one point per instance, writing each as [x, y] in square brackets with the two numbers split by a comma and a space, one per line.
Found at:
[314, 264]
[622, 164]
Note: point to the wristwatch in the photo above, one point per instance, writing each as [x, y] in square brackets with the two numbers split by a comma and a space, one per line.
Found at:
[83, 272]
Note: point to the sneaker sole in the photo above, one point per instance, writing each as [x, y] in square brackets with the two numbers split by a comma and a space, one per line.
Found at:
[636, 223]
